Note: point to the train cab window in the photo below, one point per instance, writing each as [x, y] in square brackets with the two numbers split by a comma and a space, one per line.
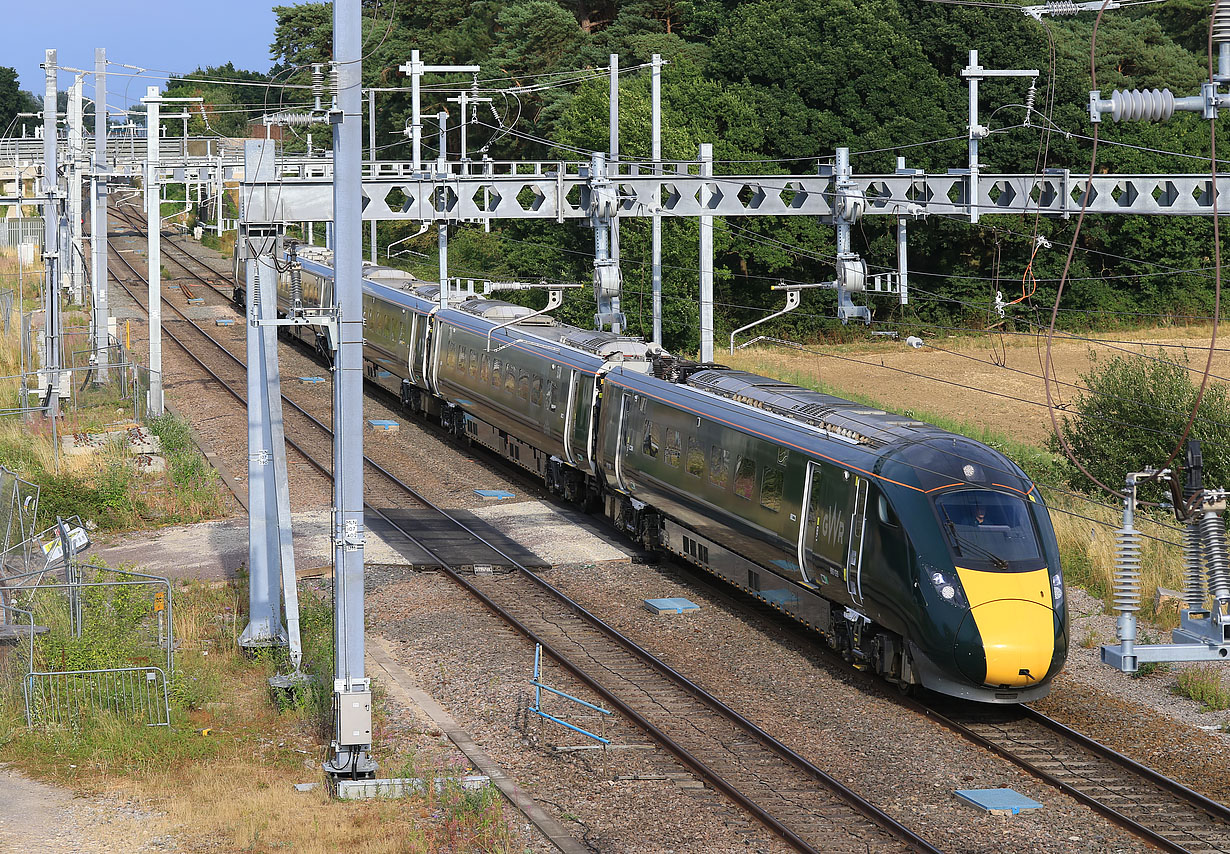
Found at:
[473, 364]
[696, 458]
[523, 387]
[653, 440]
[745, 477]
[989, 530]
[771, 488]
[483, 369]
[536, 392]
[672, 448]
[719, 467]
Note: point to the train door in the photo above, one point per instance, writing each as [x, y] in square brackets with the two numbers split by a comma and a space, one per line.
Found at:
[830, 547]
[412, 348]
[623, 441]
[854, 554]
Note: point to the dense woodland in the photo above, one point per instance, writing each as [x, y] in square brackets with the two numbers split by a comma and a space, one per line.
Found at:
[776, 85]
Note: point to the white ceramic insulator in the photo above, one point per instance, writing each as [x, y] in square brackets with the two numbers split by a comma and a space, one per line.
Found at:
[1221, 21]
[1127, 570]
[1142, 105]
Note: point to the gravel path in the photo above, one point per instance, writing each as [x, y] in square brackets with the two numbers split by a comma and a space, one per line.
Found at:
[35, 817]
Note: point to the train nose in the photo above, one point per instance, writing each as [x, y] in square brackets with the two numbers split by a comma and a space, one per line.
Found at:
[1006, 643]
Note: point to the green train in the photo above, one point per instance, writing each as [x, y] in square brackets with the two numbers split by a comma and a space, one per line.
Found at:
[923, 555]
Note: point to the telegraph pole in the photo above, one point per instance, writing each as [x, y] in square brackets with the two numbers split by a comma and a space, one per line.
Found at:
[656, 156]
[76, 154]
[153, 225]
[51, 240]
[98, 221]
[371, 147]
[350, 750]
[442, 225]
[416, 69]
[706, 256]
[613, 160]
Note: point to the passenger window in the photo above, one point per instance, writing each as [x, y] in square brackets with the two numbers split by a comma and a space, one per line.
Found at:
[672, 448]
[745, 478]
[450, 358]
[536, 392]
[461, 359]
[510, 380]
[771, 489]
[495, 372]
[523, 387]
[473, 364]
[696, 458]
[483, 369]
[719, 466]
[551, 395]
[783, 456]
[652, 440]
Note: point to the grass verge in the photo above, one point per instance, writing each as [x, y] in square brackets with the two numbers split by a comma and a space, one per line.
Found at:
[220, 777]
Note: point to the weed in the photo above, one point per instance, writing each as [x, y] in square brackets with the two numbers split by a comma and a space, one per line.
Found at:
[1204, 685]
[1091, 639]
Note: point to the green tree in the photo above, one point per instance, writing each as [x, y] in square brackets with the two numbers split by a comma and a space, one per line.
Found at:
[13, 100]
[1131, 415]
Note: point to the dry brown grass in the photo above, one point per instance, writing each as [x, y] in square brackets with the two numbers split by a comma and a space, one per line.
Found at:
[221, 777]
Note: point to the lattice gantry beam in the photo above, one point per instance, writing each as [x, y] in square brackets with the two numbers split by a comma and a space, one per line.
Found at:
[562, 193]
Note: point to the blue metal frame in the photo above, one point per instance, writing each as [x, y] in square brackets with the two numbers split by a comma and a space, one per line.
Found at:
[539, 687]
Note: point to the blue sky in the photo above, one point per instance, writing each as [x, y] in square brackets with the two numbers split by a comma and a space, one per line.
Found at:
[166, 36]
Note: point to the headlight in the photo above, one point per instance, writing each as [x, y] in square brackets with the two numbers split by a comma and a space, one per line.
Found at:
[1057, 589]
[948, 589]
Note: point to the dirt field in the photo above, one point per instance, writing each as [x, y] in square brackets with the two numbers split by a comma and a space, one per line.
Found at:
[994, 381]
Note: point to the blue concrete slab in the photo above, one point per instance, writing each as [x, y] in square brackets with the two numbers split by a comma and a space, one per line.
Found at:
[998, 801]
[311, 379]
[384, 425]
[671, 605]
[224, 321]
[384, 375]
[197, 301]
[494, 493]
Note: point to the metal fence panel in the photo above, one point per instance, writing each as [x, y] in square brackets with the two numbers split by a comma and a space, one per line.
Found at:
[18, 230]
[71, 697]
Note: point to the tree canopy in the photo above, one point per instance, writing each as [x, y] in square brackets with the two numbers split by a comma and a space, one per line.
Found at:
[777, 85]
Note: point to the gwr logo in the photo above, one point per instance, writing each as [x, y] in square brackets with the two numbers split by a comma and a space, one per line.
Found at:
[831, 525]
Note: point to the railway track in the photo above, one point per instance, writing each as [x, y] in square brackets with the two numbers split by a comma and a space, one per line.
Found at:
[1148, 804]
[789, 795]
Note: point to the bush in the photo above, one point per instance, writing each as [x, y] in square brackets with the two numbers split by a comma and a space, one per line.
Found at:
[1133, 414]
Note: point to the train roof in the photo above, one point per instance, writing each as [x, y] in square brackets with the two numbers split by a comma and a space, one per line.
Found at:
[853, 421]
[890, 447]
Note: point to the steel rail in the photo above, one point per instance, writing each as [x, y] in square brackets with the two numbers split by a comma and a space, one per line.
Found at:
[853, 799]
[1183, 793]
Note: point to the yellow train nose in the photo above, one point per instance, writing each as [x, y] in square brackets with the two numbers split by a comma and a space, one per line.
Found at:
[1018, 641]
[1008, 636]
